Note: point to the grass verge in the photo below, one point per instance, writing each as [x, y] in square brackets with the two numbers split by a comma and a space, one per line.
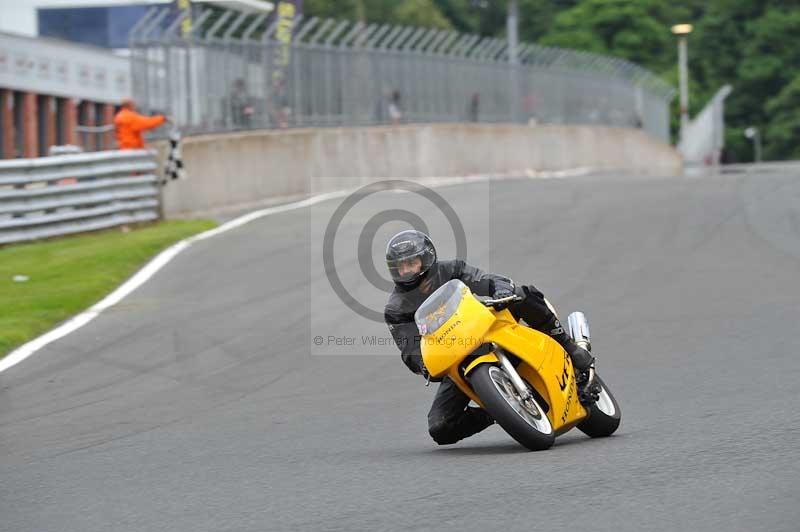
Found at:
[69, 275]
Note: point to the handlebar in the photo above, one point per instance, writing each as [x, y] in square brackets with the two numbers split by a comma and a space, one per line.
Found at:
[501, 301]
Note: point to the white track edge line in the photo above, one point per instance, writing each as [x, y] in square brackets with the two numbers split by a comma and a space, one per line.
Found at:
[163, 258]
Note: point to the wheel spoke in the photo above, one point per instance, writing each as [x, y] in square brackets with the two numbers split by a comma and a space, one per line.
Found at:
[533, 415]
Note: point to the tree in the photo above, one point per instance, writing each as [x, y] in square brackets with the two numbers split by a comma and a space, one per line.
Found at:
[344, 9]
[469, 16]
[423, 13]
[783, 118]
[536, 17]
[754, 46]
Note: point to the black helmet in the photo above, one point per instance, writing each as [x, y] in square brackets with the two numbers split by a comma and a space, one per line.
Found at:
[405, 246]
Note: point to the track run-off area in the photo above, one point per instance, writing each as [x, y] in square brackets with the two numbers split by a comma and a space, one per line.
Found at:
[200, 402]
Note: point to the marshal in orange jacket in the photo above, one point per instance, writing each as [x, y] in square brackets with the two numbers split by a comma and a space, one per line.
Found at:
[129, 126]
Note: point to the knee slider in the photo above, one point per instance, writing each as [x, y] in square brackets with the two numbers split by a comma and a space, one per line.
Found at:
[442, 432]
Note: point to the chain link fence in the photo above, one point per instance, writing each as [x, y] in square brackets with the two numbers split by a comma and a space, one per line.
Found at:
[236, 71]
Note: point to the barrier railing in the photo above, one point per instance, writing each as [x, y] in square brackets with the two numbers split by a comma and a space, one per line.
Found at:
[65, 194]
[237, 71]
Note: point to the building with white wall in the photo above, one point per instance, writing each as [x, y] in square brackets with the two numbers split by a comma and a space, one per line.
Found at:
[20, 16]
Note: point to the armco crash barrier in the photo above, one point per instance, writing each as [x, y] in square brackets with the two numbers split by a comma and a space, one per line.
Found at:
[66, 194]
[239, 170]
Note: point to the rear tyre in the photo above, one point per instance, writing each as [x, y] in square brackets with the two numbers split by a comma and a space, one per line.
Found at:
[604, 415]
[525, 421]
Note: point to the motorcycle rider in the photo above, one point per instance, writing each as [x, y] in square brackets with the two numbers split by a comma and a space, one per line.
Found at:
[416, 272]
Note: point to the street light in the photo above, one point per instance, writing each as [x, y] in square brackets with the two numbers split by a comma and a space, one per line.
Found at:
[682, 31]
[753, 134]
[512, 28]
[512, 36]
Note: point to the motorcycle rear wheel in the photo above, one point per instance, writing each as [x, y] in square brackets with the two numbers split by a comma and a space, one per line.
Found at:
[604, 415]
[526, 421]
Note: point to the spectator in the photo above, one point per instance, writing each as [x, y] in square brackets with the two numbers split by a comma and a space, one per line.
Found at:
[529, 107]
[129, 126]
[381, 106]
[727, 156]
[473, 111]
[278, 109]
[395, 112]
[241, 107]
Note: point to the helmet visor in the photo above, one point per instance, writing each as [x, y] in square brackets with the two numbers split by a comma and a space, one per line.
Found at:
[407, 269]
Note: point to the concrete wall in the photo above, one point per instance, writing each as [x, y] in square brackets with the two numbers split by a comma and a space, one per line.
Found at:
[243, 169]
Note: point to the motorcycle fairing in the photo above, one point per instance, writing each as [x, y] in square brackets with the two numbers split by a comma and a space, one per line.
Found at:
[545, 365]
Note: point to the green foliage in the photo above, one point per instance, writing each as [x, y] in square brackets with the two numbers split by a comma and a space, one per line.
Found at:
[420, 13]
[345, 9]
[536, 17]
[783, 116]
[466, 18]
[638, 31]
[752, 45]
[424, 13]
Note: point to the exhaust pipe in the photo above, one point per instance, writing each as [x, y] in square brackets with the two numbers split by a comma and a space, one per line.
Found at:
[579, 330]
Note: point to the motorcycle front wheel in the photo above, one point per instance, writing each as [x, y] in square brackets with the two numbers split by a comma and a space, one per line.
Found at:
[525, 420]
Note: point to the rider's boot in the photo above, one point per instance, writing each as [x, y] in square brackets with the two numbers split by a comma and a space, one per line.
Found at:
[582, 361]
[588, 387]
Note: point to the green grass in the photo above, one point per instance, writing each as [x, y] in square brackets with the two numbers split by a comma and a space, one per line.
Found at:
[69, 275]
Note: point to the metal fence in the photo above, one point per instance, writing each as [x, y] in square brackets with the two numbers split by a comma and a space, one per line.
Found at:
[240, 71]
[53, 196]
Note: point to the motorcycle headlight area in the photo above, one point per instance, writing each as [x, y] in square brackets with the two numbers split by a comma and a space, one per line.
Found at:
[440, 306]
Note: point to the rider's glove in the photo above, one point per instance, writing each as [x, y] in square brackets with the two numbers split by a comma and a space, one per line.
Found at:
[503, 288]
[502, 293]
[423, 370]
[416, 365]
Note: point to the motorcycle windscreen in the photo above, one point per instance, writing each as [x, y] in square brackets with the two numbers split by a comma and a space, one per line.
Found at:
[452, 323]
[440, 306]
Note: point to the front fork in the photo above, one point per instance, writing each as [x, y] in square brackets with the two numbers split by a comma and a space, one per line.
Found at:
[519, 384]
[579, 330]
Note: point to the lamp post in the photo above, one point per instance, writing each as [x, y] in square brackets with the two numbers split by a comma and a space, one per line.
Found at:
[512, 29]
[753, 134]
[682, 31]
[512, 36]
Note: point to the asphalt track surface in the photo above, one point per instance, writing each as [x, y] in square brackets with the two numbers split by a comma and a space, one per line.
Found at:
[200, 404]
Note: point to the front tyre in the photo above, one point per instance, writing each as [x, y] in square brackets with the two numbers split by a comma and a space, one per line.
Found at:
[604, 415]
[525, 421]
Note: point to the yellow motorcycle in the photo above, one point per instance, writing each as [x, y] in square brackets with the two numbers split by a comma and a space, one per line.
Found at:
[523, 378]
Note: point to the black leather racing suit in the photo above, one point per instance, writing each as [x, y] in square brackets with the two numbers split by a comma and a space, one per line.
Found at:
[449, 419]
